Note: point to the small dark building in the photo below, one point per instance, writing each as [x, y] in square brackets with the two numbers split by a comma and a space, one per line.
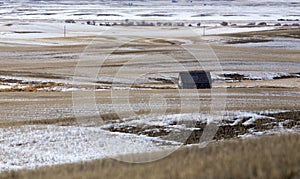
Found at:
[70, 21]
[194, 80]
[224, 23]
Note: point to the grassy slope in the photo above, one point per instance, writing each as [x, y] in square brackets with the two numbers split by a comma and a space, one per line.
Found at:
[265, 157]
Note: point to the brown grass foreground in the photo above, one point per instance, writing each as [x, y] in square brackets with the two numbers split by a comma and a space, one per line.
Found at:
[265, 157]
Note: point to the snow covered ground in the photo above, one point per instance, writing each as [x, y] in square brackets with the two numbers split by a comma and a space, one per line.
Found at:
[279, 43]
[206, 11]
[43, 145]
[71, 85]
[37, 23]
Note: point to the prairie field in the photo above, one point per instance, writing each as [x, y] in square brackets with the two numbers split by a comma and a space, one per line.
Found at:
[101, 100]
[263, 157]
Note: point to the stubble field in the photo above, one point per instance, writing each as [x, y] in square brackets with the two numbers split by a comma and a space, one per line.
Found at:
[56, 89]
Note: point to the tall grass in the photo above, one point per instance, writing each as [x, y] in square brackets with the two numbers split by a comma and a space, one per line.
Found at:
[265, 157]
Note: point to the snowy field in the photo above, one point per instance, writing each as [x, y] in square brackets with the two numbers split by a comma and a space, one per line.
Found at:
[34, 146]
[206, 11]
[54, 89]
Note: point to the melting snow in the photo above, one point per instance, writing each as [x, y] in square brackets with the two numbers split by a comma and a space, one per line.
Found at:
[35, 146]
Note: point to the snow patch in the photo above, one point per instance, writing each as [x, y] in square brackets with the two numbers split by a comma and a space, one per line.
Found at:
[36, 146]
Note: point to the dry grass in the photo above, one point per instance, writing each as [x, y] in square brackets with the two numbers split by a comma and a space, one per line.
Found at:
[67, 121]
[60, 121]
[284, 32]
[56, 61]
[30, 86]
[265, 157]
[25, 105]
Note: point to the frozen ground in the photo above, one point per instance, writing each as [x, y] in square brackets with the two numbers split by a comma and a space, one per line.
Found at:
[33, 64]
[43, 145]
[204, 11]
[285, 43]
[259, 82]
[29, 32]
[44, 84]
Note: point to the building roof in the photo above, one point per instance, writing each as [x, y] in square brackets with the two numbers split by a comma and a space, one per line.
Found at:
[195, 77]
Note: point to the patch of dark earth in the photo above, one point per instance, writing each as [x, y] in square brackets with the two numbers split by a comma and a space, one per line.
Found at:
[248, 40]
[226, 129]
[33, 83]
[240, 77]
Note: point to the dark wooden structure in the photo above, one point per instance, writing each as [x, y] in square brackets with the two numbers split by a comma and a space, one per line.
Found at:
[194, 80]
